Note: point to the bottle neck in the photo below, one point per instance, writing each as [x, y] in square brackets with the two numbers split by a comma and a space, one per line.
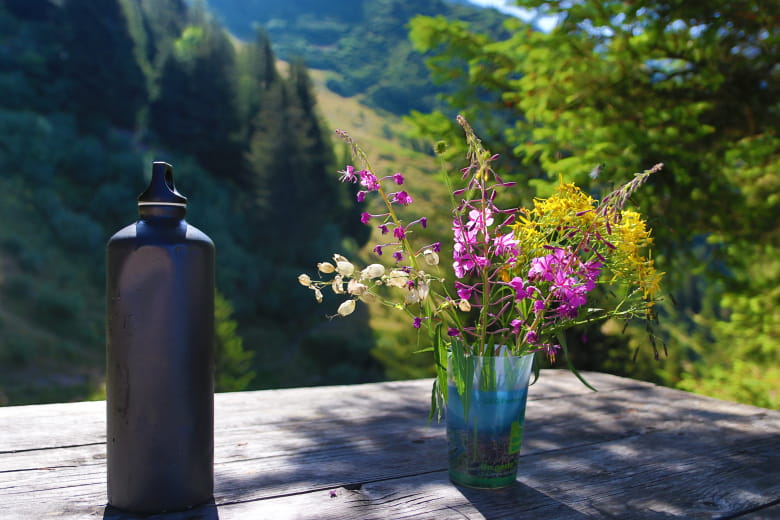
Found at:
[158, 211]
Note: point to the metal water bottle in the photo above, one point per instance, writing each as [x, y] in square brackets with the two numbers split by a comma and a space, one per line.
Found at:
[160, 361]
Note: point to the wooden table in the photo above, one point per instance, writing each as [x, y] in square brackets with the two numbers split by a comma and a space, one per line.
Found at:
[632, 450]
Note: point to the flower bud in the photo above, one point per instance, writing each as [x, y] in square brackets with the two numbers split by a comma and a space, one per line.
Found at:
[304, 280]
[345, 268]
[413, 296]
[372, 271]
[318, 295]
[423, 289]
[356, 288]
[346, 308]
[337, 284]
[326, 267]
[338, 258]
[430, 257]
[397, 278]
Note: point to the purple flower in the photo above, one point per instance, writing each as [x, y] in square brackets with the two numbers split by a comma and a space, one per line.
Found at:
[365, 217]
[591, 272]
[424, 222]
[518, 285]
[464, 291]
[516, 324]
[436, 247]
[453, 332]
[360, 196]
[402, 198]
[399, 233]
[506, 244]
[398, 178]
[538, 306]
[570, 294]
[368, 180]
[417, 323]
[348, 174]
[531, 337]
[398, 255]
[378, 250]
[383, 229]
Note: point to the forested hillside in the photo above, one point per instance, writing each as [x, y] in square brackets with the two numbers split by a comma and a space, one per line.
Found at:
[90, 94]
[364, 44]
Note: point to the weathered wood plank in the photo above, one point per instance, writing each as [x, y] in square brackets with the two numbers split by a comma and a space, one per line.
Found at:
[632, 450]
[68, 424]
[770, 512]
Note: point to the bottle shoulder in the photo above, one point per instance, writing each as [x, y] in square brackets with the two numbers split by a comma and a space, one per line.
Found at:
[163, 233]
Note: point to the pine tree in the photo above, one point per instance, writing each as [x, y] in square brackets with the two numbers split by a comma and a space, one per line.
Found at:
[197, 108]
[104, 80]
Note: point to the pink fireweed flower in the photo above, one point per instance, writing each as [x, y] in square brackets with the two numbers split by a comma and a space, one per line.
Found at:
[402, 198]
[360, 196]
[591, 270]
[521, 292]
[506, 245]
[516, 324]
[348, 174]
[569, 293]
[464, 291]
[481, 219]
[368, 180]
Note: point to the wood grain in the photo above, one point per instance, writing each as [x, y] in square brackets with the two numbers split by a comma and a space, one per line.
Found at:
[631, 450]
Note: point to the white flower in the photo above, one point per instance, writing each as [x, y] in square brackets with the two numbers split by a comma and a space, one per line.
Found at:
[337, 284]
[423, 289]
[413, 296]
[346, 308]
[356, 288]
[326, 267]
[397, 278]
[345, 268]
[464, 305]
[372, 271]
[304, 280]
[431, 257]
[338, 258]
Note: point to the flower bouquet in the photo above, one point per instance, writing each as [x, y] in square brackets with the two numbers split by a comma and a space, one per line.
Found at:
[522, 277]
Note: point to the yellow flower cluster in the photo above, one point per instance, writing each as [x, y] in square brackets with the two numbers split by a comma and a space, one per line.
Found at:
[570, 215]
[630, 237]
[551, 220]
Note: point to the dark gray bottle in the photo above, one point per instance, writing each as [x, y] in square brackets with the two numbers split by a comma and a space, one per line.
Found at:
[160, 360]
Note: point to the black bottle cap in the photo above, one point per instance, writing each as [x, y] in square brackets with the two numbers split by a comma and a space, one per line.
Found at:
[161, 190]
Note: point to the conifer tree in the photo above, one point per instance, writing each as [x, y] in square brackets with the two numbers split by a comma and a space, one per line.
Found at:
[104, 80]
[196, 111]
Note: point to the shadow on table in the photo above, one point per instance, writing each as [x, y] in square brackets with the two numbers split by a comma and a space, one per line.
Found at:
[657, 453]
[205, 512]
[508, 502]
